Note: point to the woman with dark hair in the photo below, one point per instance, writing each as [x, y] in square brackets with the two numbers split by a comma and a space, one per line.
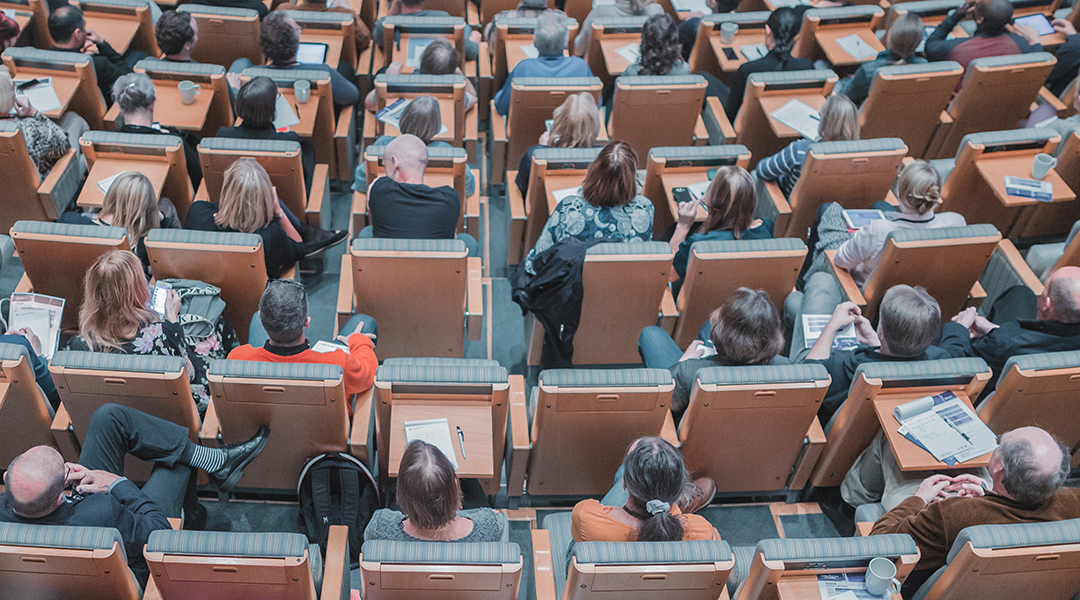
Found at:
[255, 104]
[781, 28]
[606, 206]
[647, 490]
[661, 52]
[429, 496]
[729, 205]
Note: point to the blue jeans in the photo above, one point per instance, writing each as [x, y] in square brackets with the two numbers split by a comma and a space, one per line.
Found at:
[659, 351]
[617, 495]
[470, 242]
[359, 323]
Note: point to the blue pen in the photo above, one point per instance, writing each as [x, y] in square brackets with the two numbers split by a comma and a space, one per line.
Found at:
[461, 441]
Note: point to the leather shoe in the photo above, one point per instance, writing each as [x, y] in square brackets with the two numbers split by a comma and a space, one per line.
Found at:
[238, 456]
[704, 492]
[321, 239]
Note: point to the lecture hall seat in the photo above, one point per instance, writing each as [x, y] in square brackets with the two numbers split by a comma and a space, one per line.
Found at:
[397, 570]
[27, 196]
[25, 414]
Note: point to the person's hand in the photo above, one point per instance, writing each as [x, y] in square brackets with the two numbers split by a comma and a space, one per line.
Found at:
[696, 350]
[234, 81]
[476, 37]
[1028, 32]
[172, 306]
[966, 317]
[95, 482]
[23, 108]
[544, 138]
[93, 36]
[865, 333]
[1064, 27]
[967, 7]
[75, 473]
[933, 487]
[344, 339]
[967, 485]
[844, 315]
[687, 213]
[395, 68]
[981, 326]
[30, 336]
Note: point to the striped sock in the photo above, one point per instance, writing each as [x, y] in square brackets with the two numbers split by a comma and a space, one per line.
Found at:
[201, 457]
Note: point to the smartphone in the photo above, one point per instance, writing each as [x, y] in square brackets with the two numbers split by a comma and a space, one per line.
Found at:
[730, 54]
[158, 297]
[681, 195]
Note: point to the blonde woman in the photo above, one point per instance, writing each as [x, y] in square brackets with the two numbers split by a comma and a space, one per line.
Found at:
[839, 123]
[249, 204]
[576, 124]
[901, 43]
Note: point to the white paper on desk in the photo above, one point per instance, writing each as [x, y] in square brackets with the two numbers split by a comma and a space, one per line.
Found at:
[946, 427]
[435, 432]
[935, 435]
[631, 52]
[813, 325]
[391, 114]
[41, 96]
[698, 190]
[844, 586]
[700, 6]
[856, 47]
[558, 195]
[284, 115]
[530, 51]
[416, 51]
[105, 184]
[799, 116]
[324, 347]
[38, 313]
[753, 51]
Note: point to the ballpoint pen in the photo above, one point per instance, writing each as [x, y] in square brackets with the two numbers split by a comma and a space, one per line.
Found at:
[461, 440]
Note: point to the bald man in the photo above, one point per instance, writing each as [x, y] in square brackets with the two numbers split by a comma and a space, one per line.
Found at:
[1026, 470]
[1019, 323]
[401, 206]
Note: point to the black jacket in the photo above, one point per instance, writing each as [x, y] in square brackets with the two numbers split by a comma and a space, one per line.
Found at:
[109, 65]
[773, 61]
[1067, 67]
[307, 151]
[1021, 336]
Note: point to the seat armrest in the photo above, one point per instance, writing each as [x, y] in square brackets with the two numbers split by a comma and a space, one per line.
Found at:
[359, 214]
[976, 295]
[361, 427]
[24, 285]
[175, 524]
[701, 132]
[773, 205]
[862, 528]
[668, 311]
[202, 193]
[498, 125]
[669, 432]
[344, 292]
[517, 219]
[1005, 270]
[812, 448]
[520, 443]
[60, 186]
[211, 428]
[64, 435]
[847, 284]
[716, 123]
[319, 197]
[336, 582]
[543, 574]
[345, 144]
[1045, 97]
[474, 302]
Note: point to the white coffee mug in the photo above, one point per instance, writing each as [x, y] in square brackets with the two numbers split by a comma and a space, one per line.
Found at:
[188, 89]
[727, 32]
[302, 89]
[881, 577]
[1042, 165]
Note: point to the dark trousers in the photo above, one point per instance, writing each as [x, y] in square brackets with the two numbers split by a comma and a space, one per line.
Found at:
[116, 430]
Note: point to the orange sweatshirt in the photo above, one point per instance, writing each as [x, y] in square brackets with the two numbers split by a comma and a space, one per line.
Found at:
[359, 363]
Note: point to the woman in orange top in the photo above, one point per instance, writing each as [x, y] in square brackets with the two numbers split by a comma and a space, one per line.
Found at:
[655, 477]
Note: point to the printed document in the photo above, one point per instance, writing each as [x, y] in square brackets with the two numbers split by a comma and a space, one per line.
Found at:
[856, 47]
[284, 116]
[41, 95]
[38, 313]
[530, 51]
[563, 193]
[813, 325]
[631, 52]
[753, 51]
[844, 586]
[799, 116]
[416, 51]
[391, 114]
[946, 427]
[435, 432]
[105, 184]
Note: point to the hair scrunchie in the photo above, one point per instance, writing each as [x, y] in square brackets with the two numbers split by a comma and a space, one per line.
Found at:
[655, 507]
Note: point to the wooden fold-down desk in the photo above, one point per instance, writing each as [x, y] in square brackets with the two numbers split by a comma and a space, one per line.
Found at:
[65, 84]
[805, 587]
[837, 56]
[170, 111]
[117, 30]
[475, 421]
[616, 64]
[684, 179]
[730, 56]
[91, 196]
[994, 169]
[769, 104]
[909, 456]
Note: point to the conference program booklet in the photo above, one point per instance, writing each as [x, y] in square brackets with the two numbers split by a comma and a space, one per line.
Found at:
[844, 586]
[813, 325]
[945, 427]
[38, 313]
[1043, 191]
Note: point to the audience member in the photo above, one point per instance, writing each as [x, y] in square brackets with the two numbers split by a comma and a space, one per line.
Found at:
[1029, 324]
[361, 35]
[249, 204]
[550, 38]
[1027, 472]
[9, 32]
[416, 8]
[909, 321]
[27, 339]
[661, 51]
[67, 27]
[620, 8]
[132, 205]
[575, 124]
[991, 38]
[114, 317]
[781, 29]
[401, 206]
[255, 105]
[901, 42]
[608, 205]
[1069, 125]
[729, 205]
[135, 94]
[439, 58]
[526, 9]
[648, 487]
[35, 480]
[46, 141]
[422, 118]
[745, 331]
[1068, 58]
[278, 335]
[839, 123]
[429, 496]
[177, 34]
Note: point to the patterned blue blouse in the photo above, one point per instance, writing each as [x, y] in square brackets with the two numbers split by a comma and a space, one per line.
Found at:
[574, 217]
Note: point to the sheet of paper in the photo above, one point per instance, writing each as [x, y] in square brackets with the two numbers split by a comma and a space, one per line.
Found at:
[631, 52]
[435, 432]
[844, 586]
[935, 435]
[779, 3]
[391, 114]
[856, 47]
[961, 418]
[700, 6]
[39, 313]
[560, 194]
[698, 190]
[530, 51]
[325, 347]
[105, 184]
[1029, 188]
[799, 116]
[813, 325]
[284, 115]
[416, 51]
[42, 96]
[753, 51]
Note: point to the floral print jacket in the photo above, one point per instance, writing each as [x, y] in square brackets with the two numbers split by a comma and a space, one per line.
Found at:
[574, 217]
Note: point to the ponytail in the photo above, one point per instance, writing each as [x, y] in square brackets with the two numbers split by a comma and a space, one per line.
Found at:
[655, 476]
[661, 526]
[784, 23]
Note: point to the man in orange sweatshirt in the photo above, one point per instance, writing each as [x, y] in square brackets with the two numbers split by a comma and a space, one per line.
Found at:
[280, 326]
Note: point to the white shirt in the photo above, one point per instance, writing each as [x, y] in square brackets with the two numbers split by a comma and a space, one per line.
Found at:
[860, 254]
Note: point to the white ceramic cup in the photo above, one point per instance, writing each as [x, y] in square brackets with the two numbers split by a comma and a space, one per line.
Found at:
[727, 32]
[302, 89]
[881, 577]
[188, 89]
[1042, 165]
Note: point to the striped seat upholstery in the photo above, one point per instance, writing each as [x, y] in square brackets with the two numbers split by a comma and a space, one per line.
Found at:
[526, 23]
[1012, 136]
[821, 549]
[869, 513]
[414, 23]
[562, 544]
[206, 9]
[844, 12]
[744, 556]
[402, 245]
[761, 374]
[59, 536]
[265, 370]
[62, 562]
[139, 140]
[143, 363]
[310, 16]
[766, 245]
[622, 23]
[65, 229]
[224, 543]
[901, 236]
[448, 571]
[418, 80]
[566, 154]
[441, 361]
[1044, 361]
[46, 58]
[569, 378]
[811, 77]
[1018, 535]
[567, 82]
[286, 76]
[628, 248]
[923, 372]
[878, 145]
[441, 553]
[1001, 274]
[666, 80]
[405, 372]
[155, 65]
[435, 153]
[240, 144]
[757, 16]
[923, 6]
[124, 3]
[13, 352]
[728, 151]
[213, 238]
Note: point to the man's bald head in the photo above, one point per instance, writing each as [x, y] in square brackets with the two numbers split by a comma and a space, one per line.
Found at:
[1030, 464]
[406, 159]
[34, 482]
[1060, 300]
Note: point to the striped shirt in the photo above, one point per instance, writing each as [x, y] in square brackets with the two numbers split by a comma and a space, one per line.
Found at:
[785, 166]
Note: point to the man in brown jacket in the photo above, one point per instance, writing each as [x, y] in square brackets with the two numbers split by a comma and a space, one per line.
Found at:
[1028, 469]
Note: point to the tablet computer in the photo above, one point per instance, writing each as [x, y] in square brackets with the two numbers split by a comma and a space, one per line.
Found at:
[311, 53]
[1039, 22]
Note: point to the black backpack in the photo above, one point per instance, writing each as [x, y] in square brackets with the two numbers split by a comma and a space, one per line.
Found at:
[336, 489]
